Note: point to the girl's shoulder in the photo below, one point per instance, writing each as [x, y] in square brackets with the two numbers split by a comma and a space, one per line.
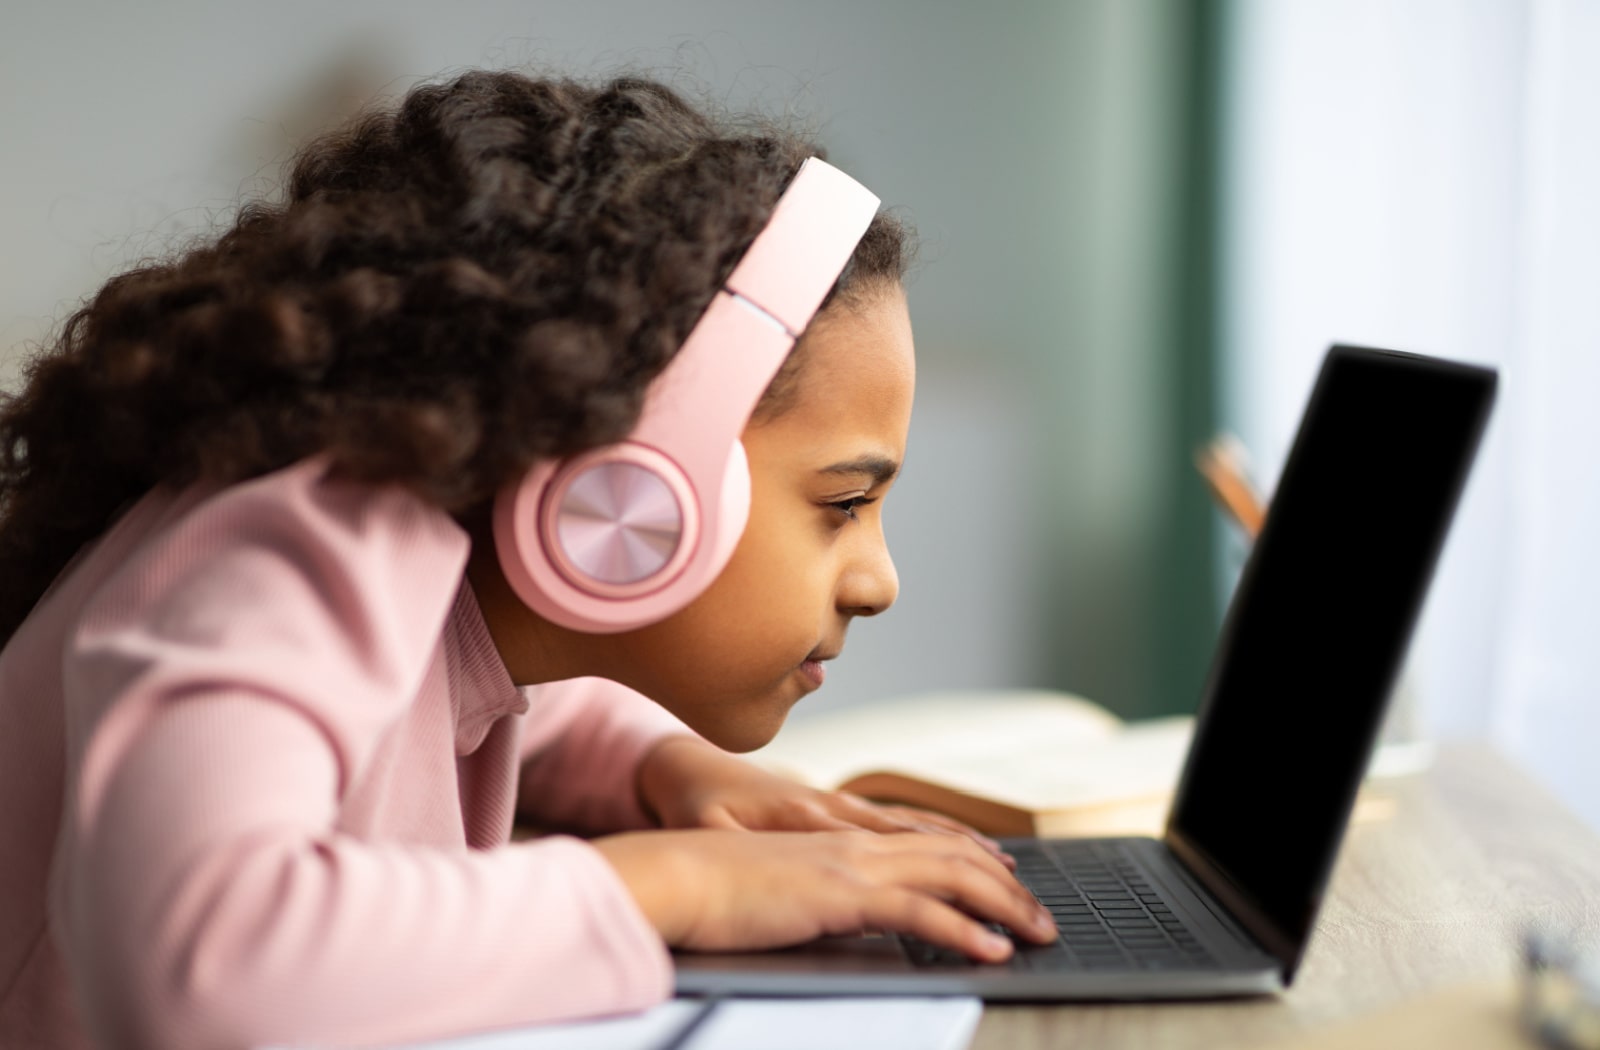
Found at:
[295, 546]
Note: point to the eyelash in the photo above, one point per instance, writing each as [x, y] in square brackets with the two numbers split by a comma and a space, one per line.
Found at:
[847, 507]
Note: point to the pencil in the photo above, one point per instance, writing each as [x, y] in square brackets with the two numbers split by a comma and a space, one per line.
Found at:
[1222, 464]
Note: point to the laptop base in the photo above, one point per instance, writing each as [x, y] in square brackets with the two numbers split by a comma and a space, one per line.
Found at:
[1224, 962]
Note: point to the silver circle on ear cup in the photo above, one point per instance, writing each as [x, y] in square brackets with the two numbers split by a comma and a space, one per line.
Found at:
[618, 523]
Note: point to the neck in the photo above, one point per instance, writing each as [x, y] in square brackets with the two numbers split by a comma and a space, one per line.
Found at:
[533, 649]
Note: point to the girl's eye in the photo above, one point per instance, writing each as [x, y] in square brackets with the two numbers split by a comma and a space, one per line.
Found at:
[847, 507]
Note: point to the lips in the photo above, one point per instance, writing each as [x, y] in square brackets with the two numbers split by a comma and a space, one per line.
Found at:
[813, 670]
[812, 667]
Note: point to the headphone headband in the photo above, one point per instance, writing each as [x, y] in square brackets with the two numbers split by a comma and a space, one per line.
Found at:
[628, 534]
[702, 400]
[805, 245]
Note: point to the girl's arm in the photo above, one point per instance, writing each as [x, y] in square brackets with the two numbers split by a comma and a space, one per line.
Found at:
[213, 907]
[583, 743]
[600, 757]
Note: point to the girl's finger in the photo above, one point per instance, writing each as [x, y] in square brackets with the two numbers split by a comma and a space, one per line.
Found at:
[719, 817]
[962, 873]
[1001, 900]
[871, 816]
[808, 816]
[888, 819]
[919, 915]
[912, 814]
[948, 823]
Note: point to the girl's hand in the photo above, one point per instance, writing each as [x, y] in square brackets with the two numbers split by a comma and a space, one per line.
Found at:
[686, 782]
[736, 890]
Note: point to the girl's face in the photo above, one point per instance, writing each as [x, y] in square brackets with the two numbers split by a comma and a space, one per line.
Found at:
[811, 559]
[813, 556]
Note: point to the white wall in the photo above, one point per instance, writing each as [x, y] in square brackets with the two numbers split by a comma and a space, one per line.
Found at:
[1421, 176]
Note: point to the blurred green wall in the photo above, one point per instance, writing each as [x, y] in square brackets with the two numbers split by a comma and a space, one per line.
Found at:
[1049, 528]
[1125, 385]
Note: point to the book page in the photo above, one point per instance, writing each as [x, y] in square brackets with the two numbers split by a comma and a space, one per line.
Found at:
[1140, 761]
[930, 732]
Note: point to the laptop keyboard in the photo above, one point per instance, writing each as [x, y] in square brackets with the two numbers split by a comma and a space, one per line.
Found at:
[1109, 916]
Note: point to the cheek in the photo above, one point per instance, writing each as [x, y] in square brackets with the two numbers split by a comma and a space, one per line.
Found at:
[772, 595]
[757, 621]
[728, 663]
[728, 671]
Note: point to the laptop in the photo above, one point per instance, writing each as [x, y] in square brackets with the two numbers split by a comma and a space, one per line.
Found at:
[1223, 904]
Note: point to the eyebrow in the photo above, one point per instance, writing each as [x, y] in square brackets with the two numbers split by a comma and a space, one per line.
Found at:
[880, 468]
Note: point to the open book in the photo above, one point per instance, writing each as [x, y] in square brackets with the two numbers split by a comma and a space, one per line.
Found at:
[1007, 762]
[1015, 762]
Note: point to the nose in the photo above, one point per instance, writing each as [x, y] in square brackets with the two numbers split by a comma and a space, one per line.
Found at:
[869, 584]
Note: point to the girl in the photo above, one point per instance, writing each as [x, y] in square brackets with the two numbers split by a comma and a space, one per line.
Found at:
[266, 622]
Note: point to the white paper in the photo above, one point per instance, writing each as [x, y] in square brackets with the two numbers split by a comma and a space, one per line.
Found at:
[905, 1023]
[653, 1028]
[840, 1024]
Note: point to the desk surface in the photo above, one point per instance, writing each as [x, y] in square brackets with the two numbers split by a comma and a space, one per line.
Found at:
[1432, 892]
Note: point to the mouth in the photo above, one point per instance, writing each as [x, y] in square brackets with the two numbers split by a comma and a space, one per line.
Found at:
[812, 667]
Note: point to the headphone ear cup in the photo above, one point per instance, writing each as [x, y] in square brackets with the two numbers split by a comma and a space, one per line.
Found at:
[518, 544]
[537, 573]
[620, 522]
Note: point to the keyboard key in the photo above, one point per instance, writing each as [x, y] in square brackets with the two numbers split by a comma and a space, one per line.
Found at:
[1103, 953]
[1144, 941]
[1062, 914]
[1080, 943]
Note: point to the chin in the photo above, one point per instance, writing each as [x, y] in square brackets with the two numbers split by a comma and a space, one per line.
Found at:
[755, 724]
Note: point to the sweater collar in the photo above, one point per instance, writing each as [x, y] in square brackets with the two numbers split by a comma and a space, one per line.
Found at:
[481, 691]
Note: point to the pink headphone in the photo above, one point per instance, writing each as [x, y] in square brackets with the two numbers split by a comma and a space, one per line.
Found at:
[628, 534]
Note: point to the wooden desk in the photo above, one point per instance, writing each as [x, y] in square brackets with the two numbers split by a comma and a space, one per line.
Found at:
[1435, 894]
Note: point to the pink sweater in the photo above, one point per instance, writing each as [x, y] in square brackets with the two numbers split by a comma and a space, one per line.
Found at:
[258, 762]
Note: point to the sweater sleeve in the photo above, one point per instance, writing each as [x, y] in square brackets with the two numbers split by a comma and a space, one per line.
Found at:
[582, 743]
[223, 689]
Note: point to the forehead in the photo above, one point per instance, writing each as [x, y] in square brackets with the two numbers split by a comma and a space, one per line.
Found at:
[855, 381]
[871, 335]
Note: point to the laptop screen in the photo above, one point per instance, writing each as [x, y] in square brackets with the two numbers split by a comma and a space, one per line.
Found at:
[1319, 625]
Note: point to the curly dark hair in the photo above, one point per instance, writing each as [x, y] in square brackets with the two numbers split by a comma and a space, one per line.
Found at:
[486, 275]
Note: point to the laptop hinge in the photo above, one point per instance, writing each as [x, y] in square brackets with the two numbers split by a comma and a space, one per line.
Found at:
[1240, 908]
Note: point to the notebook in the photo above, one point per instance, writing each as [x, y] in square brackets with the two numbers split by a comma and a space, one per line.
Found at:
[1224, 902]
